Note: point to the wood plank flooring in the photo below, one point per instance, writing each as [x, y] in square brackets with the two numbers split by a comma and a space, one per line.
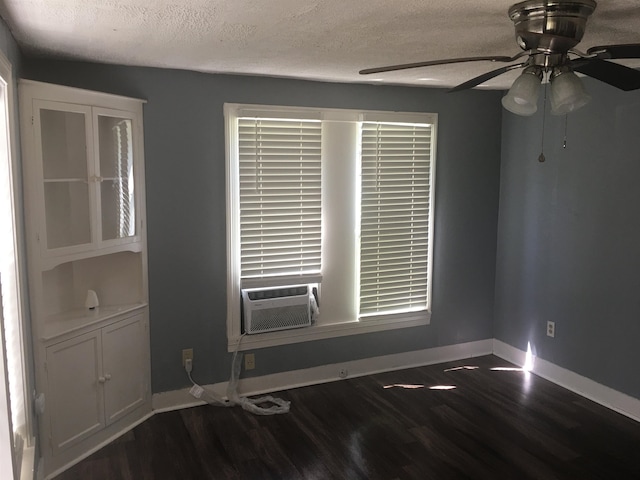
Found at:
[492, 425]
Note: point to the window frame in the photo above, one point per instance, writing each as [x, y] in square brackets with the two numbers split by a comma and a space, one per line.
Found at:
[23, 441]
[374, 323]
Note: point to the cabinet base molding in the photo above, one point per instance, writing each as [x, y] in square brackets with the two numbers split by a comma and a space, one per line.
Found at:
[58, 464]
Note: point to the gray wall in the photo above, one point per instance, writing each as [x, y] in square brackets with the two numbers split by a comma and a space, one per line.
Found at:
[569, 238]
[9, 47]
[184, 147]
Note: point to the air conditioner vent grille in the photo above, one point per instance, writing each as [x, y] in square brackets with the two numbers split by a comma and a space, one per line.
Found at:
[271, 309]
[279, 318]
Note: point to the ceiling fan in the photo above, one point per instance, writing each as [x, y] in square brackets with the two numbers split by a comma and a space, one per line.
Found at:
[548, 31]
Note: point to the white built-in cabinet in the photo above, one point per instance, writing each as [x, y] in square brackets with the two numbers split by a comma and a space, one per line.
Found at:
[113, 361]
[83, 163]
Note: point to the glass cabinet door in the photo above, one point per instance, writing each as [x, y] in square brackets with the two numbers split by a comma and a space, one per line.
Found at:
[67, 197]
[117, 200]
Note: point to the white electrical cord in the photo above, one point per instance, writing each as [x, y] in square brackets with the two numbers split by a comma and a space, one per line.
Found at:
[202, 393]
[249, 404]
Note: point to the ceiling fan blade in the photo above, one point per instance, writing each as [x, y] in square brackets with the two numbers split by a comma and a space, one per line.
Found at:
[484, 77]
[614, 74]
[630, 50]
[404, 66]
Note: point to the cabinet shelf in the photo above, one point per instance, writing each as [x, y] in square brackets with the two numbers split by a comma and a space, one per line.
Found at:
[52, 262]
[73, 320]
[114, 179]
[65, 180]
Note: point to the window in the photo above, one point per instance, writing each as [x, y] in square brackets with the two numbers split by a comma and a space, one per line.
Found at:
[280, 198]
[124, 178]
[338, 198]
[394, 218]
[16, 425]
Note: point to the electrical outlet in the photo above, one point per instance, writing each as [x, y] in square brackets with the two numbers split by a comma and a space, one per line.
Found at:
[187, 353]
[250, 361]
[343, 372]
[551, 329]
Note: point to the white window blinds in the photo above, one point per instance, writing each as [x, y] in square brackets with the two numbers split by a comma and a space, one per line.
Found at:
[280, 197]
[395, 209]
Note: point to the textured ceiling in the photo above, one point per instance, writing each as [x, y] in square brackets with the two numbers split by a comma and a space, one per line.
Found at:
[328, 40]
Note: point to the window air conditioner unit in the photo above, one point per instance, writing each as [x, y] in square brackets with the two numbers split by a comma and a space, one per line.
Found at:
[276, 308]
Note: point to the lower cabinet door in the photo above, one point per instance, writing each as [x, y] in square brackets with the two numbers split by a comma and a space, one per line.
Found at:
[124, 347]
[75, 402]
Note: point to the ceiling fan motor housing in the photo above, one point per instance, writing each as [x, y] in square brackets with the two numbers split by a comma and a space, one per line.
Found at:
[548, 32]
[550, 27]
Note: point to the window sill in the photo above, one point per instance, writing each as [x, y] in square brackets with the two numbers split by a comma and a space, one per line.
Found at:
[323, 331]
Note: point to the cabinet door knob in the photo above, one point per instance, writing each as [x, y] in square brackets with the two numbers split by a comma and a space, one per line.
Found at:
[107, 376]
[102, 379]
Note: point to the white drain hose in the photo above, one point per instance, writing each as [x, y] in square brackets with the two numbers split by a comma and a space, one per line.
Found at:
[252, 405]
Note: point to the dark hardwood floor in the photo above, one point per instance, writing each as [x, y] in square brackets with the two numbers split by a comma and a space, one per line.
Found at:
[493, 425]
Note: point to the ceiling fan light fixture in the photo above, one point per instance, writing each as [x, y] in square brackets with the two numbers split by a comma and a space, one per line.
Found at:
[522, 97]
[567, 92]
[548, 31]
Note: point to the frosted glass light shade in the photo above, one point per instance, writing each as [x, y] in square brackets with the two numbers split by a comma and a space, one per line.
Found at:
[567, 93]
[522, 97]
[92, 300]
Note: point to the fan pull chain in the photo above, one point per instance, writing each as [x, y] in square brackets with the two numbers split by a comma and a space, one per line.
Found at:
[564, 141]
[541, 157]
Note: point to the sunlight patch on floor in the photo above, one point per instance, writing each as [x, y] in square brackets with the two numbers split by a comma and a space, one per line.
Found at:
[529, 359]
[403, 385]
[409, 386]
[463, 367]
[529, 362]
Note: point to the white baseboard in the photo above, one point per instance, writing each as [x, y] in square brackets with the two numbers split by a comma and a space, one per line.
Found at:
[177, 399]
[601, 394]
[605, 396]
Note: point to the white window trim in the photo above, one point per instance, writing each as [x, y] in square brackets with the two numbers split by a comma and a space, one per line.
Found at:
[321, 331]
